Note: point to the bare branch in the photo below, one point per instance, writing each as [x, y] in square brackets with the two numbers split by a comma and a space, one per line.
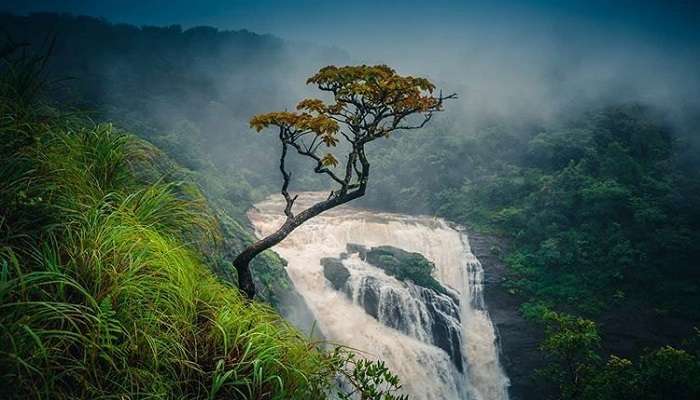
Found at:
[319, 169]
[287, 177]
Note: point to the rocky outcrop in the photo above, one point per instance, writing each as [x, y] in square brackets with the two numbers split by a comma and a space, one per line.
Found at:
[424, 313]
[335, 272]
[402, 265]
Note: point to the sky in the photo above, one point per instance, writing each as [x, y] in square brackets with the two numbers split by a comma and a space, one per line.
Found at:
[374, 24]
[511, 58]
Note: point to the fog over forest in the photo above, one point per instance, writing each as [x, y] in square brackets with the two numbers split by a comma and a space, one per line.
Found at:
[544, 222]
[511, 60]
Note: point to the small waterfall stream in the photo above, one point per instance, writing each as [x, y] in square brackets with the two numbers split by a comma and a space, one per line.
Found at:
[412, 328]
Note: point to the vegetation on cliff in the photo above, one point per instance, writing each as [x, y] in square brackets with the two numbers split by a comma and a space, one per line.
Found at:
[105, 285]
[601, 209]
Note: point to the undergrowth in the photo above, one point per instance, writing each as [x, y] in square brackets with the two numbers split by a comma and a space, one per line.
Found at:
[103, 291]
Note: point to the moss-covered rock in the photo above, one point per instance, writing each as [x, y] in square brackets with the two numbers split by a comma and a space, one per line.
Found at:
[404, 265]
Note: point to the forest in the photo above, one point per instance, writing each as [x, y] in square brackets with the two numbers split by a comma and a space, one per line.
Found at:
[128, 169]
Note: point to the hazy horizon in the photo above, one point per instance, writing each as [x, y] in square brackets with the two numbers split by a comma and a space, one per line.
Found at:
[508, 60]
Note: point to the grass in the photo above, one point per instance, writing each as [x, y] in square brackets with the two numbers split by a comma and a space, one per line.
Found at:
[107, 291]
[104, 292]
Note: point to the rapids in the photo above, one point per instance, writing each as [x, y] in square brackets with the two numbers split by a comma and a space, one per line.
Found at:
[426, 371]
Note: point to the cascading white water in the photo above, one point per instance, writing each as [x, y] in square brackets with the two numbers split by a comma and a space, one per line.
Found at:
[426, 371]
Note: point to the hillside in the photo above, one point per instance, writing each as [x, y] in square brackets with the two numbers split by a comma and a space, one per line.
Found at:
[104, 285]
[189, 93]
[107, 249]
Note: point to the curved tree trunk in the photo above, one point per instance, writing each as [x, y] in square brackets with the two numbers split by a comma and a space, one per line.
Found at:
[242, 261]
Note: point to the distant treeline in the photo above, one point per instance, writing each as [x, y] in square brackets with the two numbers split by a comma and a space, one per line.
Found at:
[198, 86]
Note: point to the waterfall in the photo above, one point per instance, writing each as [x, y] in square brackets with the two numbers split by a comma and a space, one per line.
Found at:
[413, 329]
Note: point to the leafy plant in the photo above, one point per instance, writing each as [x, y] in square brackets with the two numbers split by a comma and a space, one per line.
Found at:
[368, 380]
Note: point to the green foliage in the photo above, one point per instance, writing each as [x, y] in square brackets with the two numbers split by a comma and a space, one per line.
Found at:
[573, 346]
[168, 95]
[104, 287]
[600, 209]
[110, 298]
[368, 379]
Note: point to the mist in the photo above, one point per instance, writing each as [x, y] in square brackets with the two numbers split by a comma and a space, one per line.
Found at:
[520, 65]
[561, 184]
[511, 61]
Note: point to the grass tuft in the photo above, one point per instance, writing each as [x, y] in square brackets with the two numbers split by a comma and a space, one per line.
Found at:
[103, 290]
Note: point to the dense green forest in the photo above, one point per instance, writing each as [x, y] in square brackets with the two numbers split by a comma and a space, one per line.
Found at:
[602, 208]
[104, 231]
[601, 213]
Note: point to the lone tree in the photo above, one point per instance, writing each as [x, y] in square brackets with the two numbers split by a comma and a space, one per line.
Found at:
[368, 102]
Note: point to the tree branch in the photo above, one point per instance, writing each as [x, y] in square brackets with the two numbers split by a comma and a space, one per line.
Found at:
[287, 177]
[370, 102]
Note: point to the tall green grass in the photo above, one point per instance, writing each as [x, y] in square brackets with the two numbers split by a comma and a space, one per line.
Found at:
[105, 290]
[104, 293]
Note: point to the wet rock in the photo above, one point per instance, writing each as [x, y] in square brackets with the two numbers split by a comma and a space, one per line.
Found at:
[449, 338]
[369, 296]
[335, 272]
[361, 250]
[446, 327]
[429, 314]
[442, 321]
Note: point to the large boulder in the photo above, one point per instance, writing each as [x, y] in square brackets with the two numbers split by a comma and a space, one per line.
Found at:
[335, 272]
[404, 265]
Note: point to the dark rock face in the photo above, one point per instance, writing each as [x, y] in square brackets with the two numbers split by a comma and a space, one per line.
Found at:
[335, 272]
[369, 296]
[518, 338]
[440, 322]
